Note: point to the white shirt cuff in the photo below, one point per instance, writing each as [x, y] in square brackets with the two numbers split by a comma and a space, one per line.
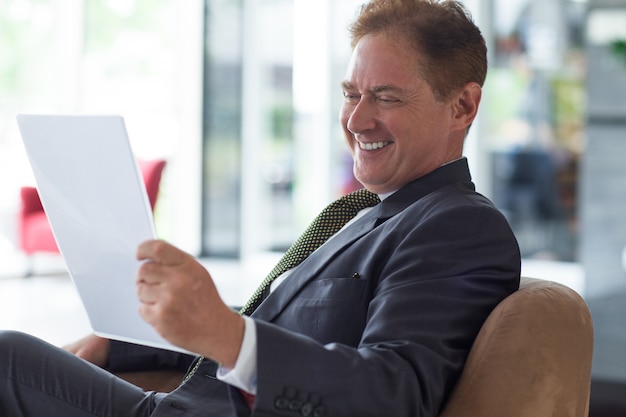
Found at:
[243, 375]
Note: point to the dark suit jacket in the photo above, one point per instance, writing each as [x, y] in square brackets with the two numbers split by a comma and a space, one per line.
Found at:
[379, 321]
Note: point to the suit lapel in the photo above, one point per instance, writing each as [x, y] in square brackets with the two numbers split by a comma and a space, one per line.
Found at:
[452, 173]
[309, 268]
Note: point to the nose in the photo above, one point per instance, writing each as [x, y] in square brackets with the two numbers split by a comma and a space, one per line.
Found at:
[360, 117]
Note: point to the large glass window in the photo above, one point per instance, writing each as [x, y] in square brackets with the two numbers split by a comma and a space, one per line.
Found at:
[136, 58]
[248, 126]
[273, 153]
[222, 108]
[535, 106]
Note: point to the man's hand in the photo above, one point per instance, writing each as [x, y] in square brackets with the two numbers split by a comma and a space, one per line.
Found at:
[179, 299]
[91, 348]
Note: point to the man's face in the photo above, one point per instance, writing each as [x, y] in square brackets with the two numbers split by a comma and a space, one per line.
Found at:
[394, 127]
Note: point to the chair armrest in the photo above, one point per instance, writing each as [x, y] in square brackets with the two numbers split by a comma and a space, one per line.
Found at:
[160, 381]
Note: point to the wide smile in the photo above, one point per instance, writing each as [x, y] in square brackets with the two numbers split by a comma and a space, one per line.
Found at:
[372, 146]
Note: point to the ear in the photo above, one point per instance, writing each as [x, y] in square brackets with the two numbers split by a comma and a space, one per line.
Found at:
[465, 105]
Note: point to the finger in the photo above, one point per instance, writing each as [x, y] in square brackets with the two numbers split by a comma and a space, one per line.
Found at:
[152, 273]
[146, 312]
[157, 313]
[147, 293]
[160, 252]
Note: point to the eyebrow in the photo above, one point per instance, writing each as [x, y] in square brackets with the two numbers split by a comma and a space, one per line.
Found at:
[387, 88]
[346, 85]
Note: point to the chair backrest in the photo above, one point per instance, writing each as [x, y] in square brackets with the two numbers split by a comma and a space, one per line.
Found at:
[532, 357]
[152, 170]
[35, 234]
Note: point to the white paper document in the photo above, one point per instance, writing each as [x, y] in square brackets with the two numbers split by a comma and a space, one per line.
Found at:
[94, 196]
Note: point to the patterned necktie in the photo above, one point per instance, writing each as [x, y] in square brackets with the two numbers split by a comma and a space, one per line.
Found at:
[327, 223]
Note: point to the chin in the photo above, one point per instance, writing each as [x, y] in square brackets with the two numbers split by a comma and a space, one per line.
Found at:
[372, 186]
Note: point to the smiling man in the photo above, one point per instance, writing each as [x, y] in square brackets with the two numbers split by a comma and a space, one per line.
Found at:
[406, 109]
[378, 321]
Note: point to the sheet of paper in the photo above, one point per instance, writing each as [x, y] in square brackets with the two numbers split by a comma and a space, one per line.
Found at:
[95, 198]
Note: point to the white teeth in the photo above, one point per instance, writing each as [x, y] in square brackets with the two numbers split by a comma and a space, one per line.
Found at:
[373, 145]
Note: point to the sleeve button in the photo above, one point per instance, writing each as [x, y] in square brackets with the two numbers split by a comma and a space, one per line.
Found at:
[295, 405]
[319, 411]
[306, 410]
[281, 403]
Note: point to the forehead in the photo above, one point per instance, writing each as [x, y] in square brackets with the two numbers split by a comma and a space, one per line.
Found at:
[378, 60]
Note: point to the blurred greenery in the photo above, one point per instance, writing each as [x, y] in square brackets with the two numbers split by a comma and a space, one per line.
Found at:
[105, 21]
[569, 109]
[618, 48]
[28, 29]
[20, 38]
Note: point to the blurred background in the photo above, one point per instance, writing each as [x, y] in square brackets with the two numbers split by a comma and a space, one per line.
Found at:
[241, 98]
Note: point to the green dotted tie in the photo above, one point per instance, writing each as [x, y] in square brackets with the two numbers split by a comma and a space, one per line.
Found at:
[326, 224]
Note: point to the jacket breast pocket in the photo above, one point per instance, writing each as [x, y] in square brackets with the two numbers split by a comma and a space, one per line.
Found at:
[329, 310]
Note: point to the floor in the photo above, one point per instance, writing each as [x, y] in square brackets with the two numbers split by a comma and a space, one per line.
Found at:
[46, 306]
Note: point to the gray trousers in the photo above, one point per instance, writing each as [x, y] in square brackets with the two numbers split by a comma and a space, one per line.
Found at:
[40, 380]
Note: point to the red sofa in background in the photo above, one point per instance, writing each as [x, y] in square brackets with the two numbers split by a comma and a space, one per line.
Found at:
[34, 233]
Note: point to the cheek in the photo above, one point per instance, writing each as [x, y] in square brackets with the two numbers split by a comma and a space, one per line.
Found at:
[343, 120]
[344, 114]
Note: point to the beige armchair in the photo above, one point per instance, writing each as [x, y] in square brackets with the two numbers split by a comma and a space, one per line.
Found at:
[532, 358]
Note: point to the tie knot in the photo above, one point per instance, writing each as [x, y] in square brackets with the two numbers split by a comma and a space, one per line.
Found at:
[360, 199]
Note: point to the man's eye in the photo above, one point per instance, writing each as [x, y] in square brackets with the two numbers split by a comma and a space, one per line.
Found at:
[388, 100]
[351, 97]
